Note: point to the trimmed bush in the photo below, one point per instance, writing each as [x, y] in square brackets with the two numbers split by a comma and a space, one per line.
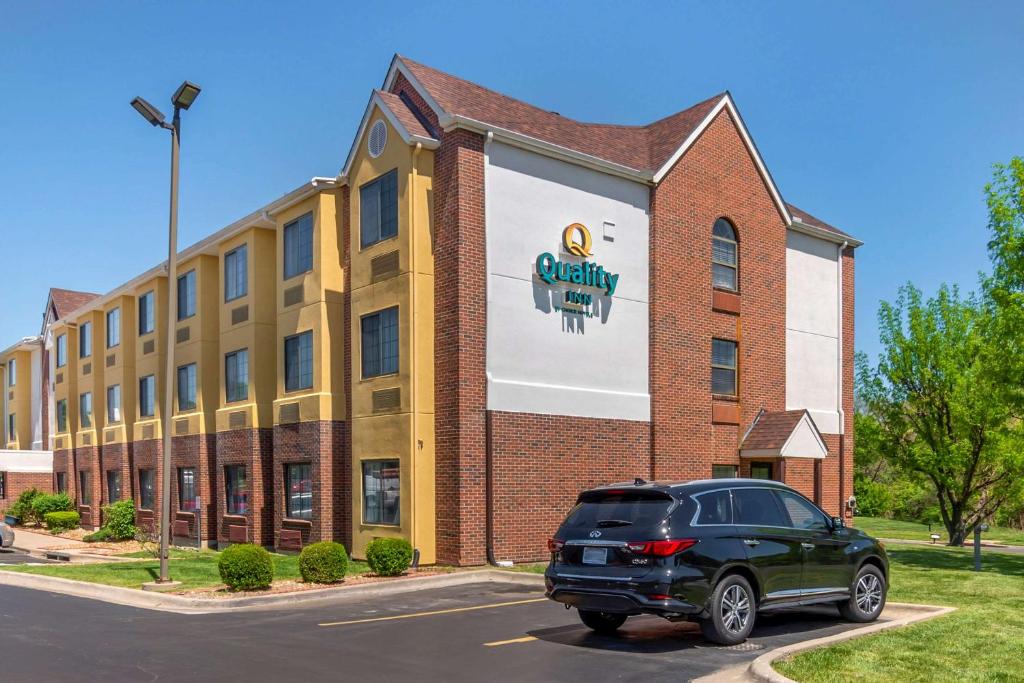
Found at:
[246, 567]
[323, 562]
[22, 508]
[119, 520]
[101, 534]
[389, 556]
[61, 521]
[47, 503]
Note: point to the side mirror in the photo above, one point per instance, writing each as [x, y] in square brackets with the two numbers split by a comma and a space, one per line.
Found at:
[838, 523]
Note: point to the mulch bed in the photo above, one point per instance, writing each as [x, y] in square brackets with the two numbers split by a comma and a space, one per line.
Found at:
[299, 586]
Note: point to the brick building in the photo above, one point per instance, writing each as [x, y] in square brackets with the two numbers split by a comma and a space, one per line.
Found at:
[489, 308]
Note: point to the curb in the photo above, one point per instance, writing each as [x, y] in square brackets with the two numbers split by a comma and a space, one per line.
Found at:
[761, 668]
[185, 605]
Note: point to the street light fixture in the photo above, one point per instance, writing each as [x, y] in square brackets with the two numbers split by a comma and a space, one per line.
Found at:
[183, 98]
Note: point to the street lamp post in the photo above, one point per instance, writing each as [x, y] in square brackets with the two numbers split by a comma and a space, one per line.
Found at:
[183, 98]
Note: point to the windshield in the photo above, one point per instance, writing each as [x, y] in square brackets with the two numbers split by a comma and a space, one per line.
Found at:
[606, 509]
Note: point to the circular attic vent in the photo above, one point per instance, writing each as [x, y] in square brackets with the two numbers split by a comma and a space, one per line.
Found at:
[378, 138]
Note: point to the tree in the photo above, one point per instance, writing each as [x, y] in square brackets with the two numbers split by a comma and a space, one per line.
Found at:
[942, 406]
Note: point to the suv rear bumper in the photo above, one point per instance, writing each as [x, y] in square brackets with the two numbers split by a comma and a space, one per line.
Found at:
[619, 601]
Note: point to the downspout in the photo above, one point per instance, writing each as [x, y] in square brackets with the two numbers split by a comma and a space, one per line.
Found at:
[412, 342]
[488, 455]
[840, 369]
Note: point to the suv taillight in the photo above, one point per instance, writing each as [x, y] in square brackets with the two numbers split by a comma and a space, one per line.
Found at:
[665, 548]
[555, 545]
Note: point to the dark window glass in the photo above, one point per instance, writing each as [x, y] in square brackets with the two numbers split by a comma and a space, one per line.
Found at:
[147, 489]
[723, 367]
[114, 403]
[62, 416]
[298, 362]
[113, 486]
[723, 471]
[640, 509]
[187, 295]
[380, 343]
[85, 340]
[802, 513]
[715, 508]
[378, 209]
[237, 489]
[147, 314]
[147, 396]
[113, 327]
[62, 482]
[298, 246]
[187, 387]
[188, 496]
[84, 487]
[236, 376]
[12, 372]
[85, 409]
[758, 507]
[299, 490]
[236, 273]
[381, 504]
[62, 350]
[12, 426]
[760, 470]
[723, 255]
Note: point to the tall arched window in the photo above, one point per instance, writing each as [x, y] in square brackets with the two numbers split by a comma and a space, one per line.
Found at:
[723, 255]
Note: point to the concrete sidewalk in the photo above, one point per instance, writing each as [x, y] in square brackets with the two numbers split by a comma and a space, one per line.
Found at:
[38, 544]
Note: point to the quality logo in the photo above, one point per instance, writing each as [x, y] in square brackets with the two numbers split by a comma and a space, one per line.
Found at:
[578, 242]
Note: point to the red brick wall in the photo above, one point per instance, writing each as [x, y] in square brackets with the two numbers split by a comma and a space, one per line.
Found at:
[323, 445]
[848, 351]
[541, 462]
[17, 482]
[87, 459]
[116, 456]
[254, 449]
[63, 461]
[45, 398]
[717, 177]
[198, 451]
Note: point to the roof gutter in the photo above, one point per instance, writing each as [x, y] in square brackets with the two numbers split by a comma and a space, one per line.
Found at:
[813, 231]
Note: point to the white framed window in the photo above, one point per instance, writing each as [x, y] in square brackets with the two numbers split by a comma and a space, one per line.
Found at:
[724, 259]
[723, 367]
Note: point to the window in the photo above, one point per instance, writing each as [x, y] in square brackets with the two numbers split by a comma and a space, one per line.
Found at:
[114, 403]
[758, 507]
[12, 372]
[380, 343]
[85, 409]
[3, 485]
[62, 350]
[147, 314]
[760, 470]
[237, 489]
[12, 426]
[62, 415]
[236, 273]
[85, 340]
[723, 471]
[715, 508]
[723, 367]
[802, 513]
[723, 255]
[62, 482]
[113, 327]
[298, 246]
[380, 492]
[298, 362]
[113, 486]
[378, 209]
[84, 487]
[147, 489]
[187, 295]
[236, 376]
[299, 491]
[187, 387]
[147, 396]
[188, 495]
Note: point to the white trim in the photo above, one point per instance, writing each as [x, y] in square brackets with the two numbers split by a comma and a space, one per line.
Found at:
[407, 137]
[814, 231]
[808, 423]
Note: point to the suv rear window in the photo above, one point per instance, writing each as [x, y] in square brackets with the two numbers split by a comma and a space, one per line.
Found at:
[637, 508]
[715, 508]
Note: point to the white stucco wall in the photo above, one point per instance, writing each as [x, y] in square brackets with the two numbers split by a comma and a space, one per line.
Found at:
[37, 398]
[540, 360]
[26, 461]
[812, 329]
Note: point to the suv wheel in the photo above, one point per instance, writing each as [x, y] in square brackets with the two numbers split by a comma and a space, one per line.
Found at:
[867, 595]
[732, 612]
[602, 622]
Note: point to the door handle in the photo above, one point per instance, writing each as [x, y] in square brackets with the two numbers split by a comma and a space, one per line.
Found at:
[751, 541]
[807, 546]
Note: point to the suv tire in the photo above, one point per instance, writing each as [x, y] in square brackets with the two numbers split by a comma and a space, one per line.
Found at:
[733, 607]
[867, 595]
[602, 622]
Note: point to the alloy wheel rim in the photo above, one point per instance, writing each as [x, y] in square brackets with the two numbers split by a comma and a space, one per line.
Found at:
[735, 609]
[869, 593]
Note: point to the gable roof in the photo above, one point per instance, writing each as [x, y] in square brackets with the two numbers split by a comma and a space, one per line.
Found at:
[67, 300]
[403, 119]
[783, 433]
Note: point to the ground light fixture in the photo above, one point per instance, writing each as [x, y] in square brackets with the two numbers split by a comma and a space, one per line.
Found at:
[183, 98]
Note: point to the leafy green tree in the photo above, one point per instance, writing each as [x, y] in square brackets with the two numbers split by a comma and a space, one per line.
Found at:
[942, 406]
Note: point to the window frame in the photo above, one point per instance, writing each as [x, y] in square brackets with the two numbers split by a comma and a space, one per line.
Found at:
[297, 339]
[117, 474]
[378, 183]
[61, 409]
[193, 486]
[718, 366]
[228, 357]
[61, 350]
[301, 512]
[12, 373]
[116, 313]
[734, 267]
[381, 357]
[85, 487]
[147, 324]
[734, 468]
[189, 281]
[240, 278]
[150, 381]
[229, 507]
[12, 426]
[112, 418]
[151, 472]
[193, 394]
[296, 229]
[82, 412]
[761, 463]
[60, 482]
[85, 340]
[364, 518]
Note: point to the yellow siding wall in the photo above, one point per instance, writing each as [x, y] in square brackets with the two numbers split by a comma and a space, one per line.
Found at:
[66, 385]
[119, 367]
[150, 356]
[19, 399]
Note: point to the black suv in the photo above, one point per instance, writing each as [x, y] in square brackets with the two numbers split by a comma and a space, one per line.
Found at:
[715, 551]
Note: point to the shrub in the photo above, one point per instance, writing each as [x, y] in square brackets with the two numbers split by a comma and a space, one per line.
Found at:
[22, 508]
[389, 556]
[101, 534]
[323, 562]
[61, 521]
[47, 503]
[120, 520]
[246, 567]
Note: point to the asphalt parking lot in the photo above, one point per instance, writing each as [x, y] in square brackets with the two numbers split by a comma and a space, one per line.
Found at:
[479, 632]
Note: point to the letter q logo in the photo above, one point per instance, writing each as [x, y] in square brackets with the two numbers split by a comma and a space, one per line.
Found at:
[577, 240]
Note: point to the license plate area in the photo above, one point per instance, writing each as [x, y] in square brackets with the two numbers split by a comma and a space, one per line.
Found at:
[598, 556]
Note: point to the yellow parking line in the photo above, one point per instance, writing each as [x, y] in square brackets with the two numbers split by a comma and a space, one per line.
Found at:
[496, 643]
[435, 612]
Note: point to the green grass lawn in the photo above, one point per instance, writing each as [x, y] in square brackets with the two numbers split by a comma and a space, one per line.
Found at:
[982, 641]
[912, 531]
[195, 569]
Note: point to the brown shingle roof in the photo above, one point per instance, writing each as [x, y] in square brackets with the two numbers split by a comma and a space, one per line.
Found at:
[771, 430]
[804, 217]
[67, 300]
[643, 148]
[404, 115]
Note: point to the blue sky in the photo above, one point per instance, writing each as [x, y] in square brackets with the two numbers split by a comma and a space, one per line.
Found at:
[882, 118]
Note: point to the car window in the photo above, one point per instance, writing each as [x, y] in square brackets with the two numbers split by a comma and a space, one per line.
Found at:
[715, 508]
[639, 509]
[758, 507]
[802, 513]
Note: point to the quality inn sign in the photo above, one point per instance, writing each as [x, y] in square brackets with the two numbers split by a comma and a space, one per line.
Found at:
[578, 242]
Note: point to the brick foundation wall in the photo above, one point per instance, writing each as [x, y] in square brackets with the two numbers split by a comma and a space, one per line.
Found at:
[198, 451]
[87, 459]
[117, 456]
[324, 445]
[254, 449]
[63, 461]
[17, 482]
[146, 456]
